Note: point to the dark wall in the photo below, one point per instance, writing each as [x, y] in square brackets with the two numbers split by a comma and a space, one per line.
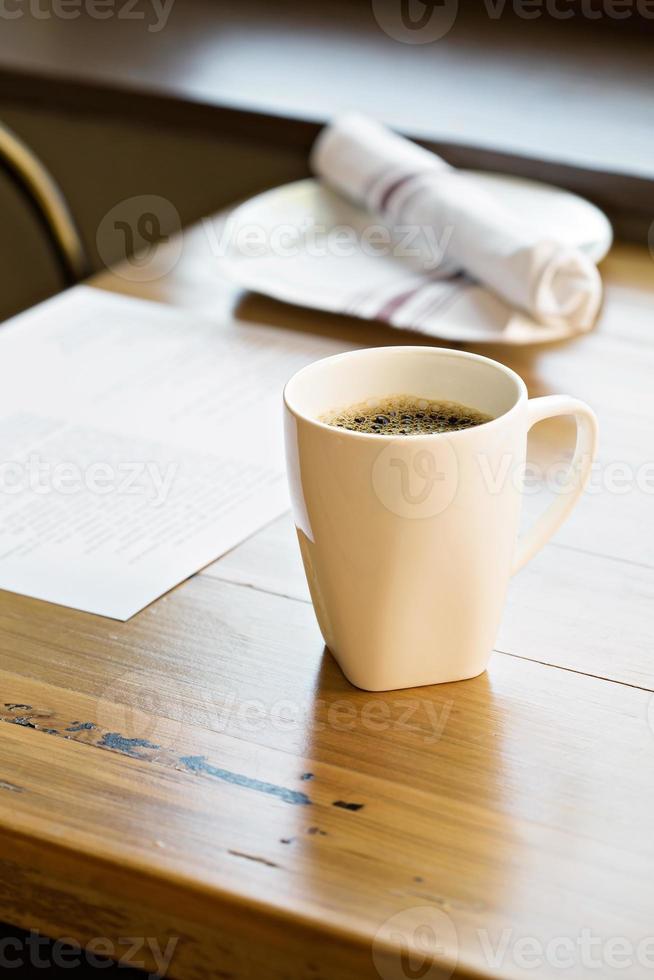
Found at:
[101, 164]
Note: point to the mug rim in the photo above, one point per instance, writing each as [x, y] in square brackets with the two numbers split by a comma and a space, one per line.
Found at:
[415, 348]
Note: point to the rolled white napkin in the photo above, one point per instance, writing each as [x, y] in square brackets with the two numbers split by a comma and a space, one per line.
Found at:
[410, 186]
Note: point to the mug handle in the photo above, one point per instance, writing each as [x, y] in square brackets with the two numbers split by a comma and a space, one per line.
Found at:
[549, 407]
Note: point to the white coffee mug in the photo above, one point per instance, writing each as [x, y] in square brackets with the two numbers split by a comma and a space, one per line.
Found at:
[409, 542]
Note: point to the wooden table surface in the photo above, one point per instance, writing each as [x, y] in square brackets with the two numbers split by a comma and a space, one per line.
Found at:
[204, 773]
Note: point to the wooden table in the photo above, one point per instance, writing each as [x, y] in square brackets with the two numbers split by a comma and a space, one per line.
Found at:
[205, 773]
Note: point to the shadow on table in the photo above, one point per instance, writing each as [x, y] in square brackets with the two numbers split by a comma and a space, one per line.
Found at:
[420, 736]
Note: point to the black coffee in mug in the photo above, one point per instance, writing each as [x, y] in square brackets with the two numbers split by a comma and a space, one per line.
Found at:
[406, 415]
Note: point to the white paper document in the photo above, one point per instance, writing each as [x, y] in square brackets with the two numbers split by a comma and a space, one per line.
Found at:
[138, 443]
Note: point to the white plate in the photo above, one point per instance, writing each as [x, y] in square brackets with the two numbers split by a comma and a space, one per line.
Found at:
[275, 245]
[558, 214]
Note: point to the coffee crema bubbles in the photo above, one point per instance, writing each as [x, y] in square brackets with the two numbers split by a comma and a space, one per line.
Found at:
[405, 415]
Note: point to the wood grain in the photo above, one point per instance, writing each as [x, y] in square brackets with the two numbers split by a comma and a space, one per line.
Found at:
[486, 800]
[603, 620]
[205, 773]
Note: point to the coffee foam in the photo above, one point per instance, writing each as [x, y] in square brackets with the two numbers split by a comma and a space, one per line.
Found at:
[398, 415]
